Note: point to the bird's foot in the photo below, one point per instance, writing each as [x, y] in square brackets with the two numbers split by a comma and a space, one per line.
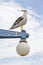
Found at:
[23, 30]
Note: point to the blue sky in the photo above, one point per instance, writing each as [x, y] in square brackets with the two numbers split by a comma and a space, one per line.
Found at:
[36, 5]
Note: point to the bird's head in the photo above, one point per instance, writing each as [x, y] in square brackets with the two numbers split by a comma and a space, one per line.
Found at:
[25, 11]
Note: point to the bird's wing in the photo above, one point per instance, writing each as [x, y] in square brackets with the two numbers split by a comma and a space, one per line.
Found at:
[18, 20]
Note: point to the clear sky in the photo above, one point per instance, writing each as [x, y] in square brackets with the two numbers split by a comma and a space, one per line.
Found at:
[34, 26]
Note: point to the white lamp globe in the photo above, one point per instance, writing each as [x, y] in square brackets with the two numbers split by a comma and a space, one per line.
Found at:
[23, 49]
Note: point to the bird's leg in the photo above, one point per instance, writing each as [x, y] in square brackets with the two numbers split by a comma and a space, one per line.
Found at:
[21, 28]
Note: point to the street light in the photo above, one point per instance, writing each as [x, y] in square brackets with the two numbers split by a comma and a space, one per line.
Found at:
[23, 48]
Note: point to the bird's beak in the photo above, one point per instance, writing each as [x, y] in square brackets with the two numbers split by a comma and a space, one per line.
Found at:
[19, 10]
[22, 10]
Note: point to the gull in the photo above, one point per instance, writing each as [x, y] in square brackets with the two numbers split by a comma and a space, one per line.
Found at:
[21, 21]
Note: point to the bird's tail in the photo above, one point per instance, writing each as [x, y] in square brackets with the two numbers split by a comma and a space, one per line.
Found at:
[12, 28]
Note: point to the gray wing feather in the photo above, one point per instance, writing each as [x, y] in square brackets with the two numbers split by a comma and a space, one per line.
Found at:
[16, 22]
